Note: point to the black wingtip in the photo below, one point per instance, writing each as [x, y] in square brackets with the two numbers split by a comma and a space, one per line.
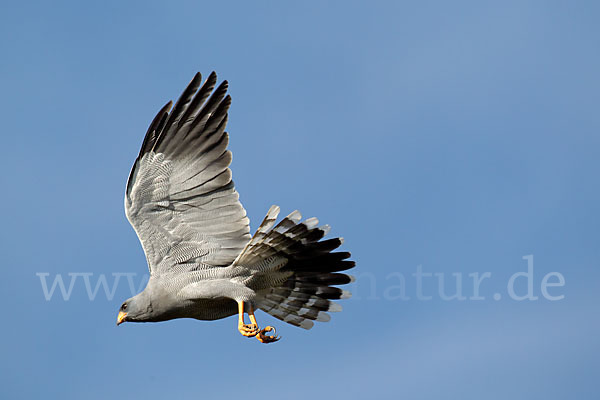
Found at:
[196, 79]
[212, 78]
[153, 129]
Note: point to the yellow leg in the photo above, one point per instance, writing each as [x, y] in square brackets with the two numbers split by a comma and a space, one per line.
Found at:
[248, 330]
[251, 329]
[261, 335]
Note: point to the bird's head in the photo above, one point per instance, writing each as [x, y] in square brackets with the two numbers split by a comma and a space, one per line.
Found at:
[135, 309]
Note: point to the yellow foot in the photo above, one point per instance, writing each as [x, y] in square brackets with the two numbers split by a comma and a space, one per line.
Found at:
[261, 335]
[248, 330]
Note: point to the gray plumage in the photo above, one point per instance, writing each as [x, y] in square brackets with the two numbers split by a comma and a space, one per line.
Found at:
[181, 201]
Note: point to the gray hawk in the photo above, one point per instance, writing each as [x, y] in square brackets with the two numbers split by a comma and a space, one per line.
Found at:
[181, 201]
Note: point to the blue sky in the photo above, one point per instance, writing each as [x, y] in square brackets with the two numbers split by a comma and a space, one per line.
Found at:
[455, 136]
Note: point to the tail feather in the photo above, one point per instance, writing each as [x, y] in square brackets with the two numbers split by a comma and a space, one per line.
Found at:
[320, 279]
[309, 265]
[280, 313]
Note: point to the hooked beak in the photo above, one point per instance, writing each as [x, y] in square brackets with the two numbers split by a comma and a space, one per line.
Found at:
[121, 317]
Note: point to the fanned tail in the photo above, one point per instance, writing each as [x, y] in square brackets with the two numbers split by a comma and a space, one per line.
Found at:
[309, 265]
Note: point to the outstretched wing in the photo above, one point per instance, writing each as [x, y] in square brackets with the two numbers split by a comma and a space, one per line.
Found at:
[180, 198]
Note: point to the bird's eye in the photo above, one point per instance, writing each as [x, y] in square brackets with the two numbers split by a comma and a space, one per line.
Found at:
[124, 306]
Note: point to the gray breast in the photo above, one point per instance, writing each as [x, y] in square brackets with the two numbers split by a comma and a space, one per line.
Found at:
[212, 309]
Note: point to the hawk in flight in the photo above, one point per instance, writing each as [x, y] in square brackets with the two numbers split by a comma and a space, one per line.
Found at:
[181, 201]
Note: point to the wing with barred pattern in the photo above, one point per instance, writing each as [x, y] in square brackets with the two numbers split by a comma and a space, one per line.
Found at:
[180, 197]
